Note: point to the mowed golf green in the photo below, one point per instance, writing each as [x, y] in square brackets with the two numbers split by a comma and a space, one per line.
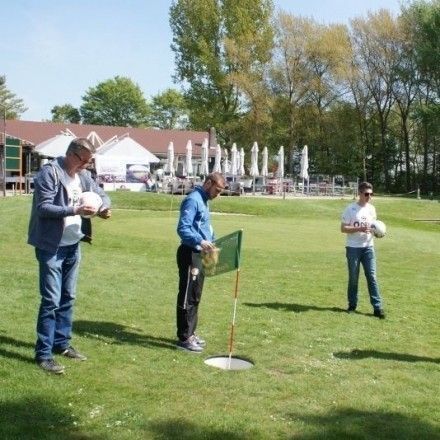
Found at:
[318, 372]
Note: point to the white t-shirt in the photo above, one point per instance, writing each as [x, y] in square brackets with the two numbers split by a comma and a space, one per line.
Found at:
[356, 215]
[72, 223]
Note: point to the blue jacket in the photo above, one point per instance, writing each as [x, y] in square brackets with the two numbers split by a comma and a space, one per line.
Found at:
[50, 206]
[194, 222]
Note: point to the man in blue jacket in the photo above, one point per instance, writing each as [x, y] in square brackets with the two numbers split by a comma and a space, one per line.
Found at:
[56, 227]
[196, 233]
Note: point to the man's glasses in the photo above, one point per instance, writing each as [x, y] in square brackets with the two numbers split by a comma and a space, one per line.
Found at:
[368, 194]
[83, 161]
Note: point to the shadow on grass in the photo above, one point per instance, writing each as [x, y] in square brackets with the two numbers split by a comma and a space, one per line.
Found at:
[11, 342]
[364, 354]
[354, 424]
[119, 334]
[37, 418]
[298, 308]
[183, 430]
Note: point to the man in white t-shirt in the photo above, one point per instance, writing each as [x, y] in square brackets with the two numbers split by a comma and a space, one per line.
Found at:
[356, 223]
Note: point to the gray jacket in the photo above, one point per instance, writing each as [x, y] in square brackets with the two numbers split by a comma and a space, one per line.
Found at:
[50, 206]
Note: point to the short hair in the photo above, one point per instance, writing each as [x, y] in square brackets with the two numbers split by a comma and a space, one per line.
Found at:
[364, 185]
[79, 144]
[215, 178]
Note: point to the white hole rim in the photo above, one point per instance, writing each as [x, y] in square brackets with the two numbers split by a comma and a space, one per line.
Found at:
[233, 363]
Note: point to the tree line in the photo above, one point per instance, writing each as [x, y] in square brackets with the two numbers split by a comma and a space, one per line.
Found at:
[364, 97]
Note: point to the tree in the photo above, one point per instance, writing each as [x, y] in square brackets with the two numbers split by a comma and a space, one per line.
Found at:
[377, 59]
[117, 102]
[289, 76]
[307, 77]
[219, 45]
[66, 113]
[169, 110]
[14, 106]
[421, 22]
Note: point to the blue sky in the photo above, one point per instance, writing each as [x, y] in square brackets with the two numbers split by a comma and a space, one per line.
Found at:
[52, 51]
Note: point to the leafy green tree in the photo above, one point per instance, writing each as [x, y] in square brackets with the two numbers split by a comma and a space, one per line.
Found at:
[66, 113]
[307, 71]
[221, 47]
[421, 22]
[169, 110]
[424, 20]
[376, 58]
[8, 101]
[117, 102]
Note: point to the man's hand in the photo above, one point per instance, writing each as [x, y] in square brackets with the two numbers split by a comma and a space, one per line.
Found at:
[105, 213]
[207, 246]
[85, 211]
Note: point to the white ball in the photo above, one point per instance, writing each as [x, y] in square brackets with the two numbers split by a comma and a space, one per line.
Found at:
[379, 228]
[91, 199]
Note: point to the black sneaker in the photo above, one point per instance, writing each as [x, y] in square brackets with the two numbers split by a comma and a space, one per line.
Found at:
[189, 345]
[51, 366]
[379, 313]
[71, 353]
[199, 341]
[351, 309]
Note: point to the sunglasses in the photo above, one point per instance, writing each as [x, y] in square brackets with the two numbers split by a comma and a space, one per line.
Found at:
[368, 194]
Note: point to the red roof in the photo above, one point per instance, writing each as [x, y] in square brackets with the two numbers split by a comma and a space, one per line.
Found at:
[155, 141]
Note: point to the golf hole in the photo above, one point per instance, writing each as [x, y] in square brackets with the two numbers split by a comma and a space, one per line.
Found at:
[228, 363]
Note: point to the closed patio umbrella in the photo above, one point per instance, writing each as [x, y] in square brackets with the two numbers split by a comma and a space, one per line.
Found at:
[241, 171]
[188, 160]
[304, 173]
[204, 171]
[234, 161]
[264, 170]
[169, 166]
[226, 164]
[254, 164]
[218, 160]
[280, 171]
[254, 160]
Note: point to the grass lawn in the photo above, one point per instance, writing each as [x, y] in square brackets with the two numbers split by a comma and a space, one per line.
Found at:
[319, 373]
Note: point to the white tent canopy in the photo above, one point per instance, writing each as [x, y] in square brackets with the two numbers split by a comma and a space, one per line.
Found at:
[117, 153]
[55, 146]
[94, 138]
[127, 148]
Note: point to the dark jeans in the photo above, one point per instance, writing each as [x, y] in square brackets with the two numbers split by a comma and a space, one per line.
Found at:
[58, 276]
[190, 292]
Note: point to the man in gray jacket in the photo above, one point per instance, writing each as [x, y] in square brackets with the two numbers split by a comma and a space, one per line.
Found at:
[57, 225]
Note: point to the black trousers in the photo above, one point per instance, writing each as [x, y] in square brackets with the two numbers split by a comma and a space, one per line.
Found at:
[191, 281]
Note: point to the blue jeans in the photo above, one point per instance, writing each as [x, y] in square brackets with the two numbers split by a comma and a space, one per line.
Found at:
[58, 276]
[366, 257]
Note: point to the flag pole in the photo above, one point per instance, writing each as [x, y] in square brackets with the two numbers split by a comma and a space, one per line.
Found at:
[231, 336]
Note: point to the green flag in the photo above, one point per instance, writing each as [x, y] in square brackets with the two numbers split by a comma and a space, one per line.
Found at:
[225, 258]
